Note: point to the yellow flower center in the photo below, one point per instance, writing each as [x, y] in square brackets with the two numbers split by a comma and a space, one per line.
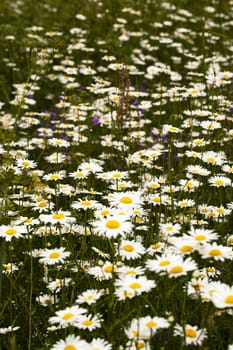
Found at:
[87, 322]
[186, 248]
[67, 316]
[191, 333]
[211, 269]
[156, 246]
[11, 231]
[151, 324]
[169, 228]
[28, 221]
[70, 347]
[154, 185]
[218, 182]
[136, 212]
[210, 160]
[25, 163]
[200, 237]
[229, 299]
[105, 212]
[54, 176]
[108, 269]
[138, 220]
[135, 285]
[184, 204]
[198, 142]
[156, 199]
[164, 262]
[54, 255]
[126, 200]
[58, 216]
[176, 269]
[129, 248]
[85, 203]
[112, 224]
[116, 176]
[215, 252]
[220, 210]
[42, 204]
[140, 345]
[79, 174]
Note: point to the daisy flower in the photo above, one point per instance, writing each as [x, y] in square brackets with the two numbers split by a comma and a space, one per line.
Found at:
[159, 199]
[43, 206]
[71, 342]
[189, 185]
[213, 158]
[45, 300]
[191, 334]
[56, 176]
[60, 217]
[89, 296]
[27, 221]
[215, 251]
[93, 166]
[149, 325]
[79, 174]
[88, 322]
[197, 170]
[129, 286]
[101, 253]
[202, 235]
[221, 211]
[100, 344]
[181, 267]
[125, 200]
[58, 284]
[130, 249]
[130, 270]
[55, 158]
[53, 256]
[114, 175]
[58, 142]
[186, 203]
[227, 168]
[85, 204]
[161, 263]
[67, 317]
[138, 344]
[183, 244]
[155, 248]
[210, 125]
[9, 268]
[104, 272]
[145, 327]
[219, 181]
[152, 184]
[169, 228]
[113, 226]
[8, 232]
[25, 163]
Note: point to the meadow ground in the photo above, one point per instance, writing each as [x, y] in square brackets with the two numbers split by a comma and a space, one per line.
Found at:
[116, 168]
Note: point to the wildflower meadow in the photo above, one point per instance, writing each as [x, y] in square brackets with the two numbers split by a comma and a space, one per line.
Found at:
[116, 169]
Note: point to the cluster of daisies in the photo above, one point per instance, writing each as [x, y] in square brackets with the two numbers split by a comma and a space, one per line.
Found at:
[116, 201]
